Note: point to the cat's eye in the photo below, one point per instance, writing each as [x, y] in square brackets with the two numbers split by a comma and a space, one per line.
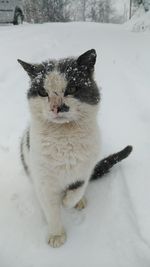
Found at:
[70, 90]
[42, 92]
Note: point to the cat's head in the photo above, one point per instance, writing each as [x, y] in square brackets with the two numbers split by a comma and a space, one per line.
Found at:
[63, 90]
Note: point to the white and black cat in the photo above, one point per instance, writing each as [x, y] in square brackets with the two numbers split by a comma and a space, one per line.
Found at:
[60, 149]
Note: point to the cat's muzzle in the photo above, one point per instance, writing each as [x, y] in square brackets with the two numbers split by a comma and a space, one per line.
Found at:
[57, 105]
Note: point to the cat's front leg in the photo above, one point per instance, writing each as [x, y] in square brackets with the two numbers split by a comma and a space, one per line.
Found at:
[74, 195]
[57, 234]
[50, 201]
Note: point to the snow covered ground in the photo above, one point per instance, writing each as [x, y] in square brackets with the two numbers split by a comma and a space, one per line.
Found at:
[114, 230]
[140, 22]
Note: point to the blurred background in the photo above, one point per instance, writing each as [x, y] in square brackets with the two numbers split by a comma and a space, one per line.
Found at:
[103, 11]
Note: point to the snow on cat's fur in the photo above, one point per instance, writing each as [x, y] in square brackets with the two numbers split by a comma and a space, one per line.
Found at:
[60, 149]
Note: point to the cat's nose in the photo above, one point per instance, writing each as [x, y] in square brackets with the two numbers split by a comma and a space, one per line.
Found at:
[57, 105]
[55, 109]
[62, 108]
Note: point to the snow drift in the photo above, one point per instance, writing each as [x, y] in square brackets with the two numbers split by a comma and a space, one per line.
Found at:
[140, 22]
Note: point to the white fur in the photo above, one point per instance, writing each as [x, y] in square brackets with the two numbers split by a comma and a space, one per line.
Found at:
[63, 150]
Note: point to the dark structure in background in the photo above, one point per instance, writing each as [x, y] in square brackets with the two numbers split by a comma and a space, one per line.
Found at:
[11, 11]
[134, 4]
[145, 3]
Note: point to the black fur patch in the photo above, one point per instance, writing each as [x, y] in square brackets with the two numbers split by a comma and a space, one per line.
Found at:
[75, 185]
[23, 159]
[37, 83]
[28, 139]
[37, 74]
[103, 166]
[81, 79]
[88, 59]
[63, 108]
[77, 71]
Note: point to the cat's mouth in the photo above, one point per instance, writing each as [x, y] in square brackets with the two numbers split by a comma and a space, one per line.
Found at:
[60, 119]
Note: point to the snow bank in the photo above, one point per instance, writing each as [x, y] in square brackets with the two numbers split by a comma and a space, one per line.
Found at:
[140, 22]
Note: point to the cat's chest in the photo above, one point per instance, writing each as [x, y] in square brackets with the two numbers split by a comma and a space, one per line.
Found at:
[71, 149]
[66, 148]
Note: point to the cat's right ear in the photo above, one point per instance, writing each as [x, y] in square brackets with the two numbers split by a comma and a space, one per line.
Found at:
[32, 69]
[88, 59]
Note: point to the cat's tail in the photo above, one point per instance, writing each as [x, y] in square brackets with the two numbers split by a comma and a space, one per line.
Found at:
[103, 166]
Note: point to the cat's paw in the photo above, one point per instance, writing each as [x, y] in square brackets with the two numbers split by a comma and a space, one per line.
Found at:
[81, 204]
[57, 241]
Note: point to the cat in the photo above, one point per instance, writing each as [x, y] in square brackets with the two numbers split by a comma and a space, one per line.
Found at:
[61, 148]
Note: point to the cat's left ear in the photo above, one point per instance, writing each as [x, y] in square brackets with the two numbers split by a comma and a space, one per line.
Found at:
[33, 70]
[88, 59]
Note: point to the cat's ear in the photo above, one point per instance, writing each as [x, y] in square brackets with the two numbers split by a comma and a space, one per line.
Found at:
[88, 59]
[33, 70]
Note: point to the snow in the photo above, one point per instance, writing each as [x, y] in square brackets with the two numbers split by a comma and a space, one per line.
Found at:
[140, 22]
[114, 229]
